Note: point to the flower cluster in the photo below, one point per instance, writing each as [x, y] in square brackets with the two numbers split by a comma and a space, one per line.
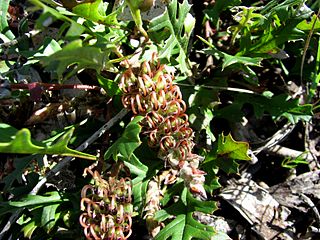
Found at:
[107, 208]
[149, 91]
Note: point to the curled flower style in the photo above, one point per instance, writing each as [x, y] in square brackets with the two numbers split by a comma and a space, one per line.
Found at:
[150, 91]
[106, 207]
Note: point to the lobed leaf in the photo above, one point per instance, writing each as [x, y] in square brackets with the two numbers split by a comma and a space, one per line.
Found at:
[127, 143]
[30, 201]
[50, 15]
[230, 148]
[77, 55]
[184, 226]
[231, 59]
[228, 151]
[94, 11]
[277, 106]
[175, 26]
[140, 182]
[20, 142]
[308, 25]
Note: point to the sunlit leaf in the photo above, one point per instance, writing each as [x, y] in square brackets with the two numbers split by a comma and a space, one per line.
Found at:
[94, 11]
[140, 181]
[50, 15]
[308, 25]
[49, 217]
[29, 228]
[280, 26]
[20, 142]
[127, 143]
[231, 59]
[228, 152]
[184, 226]
[230, 148]
[176, 41]
[110, 86]
[86, 57]
[4, 27]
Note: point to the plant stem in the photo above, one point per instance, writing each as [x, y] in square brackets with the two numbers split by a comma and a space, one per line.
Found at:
[136, 15]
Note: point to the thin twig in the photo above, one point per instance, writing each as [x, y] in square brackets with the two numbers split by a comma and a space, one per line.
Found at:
[306, 46]
[276, 138]
[52, 86]
[288, 152]
[313, 163]
[11, 220]
[312, 206]
[19, 39]
[62, 164]
[219, 88]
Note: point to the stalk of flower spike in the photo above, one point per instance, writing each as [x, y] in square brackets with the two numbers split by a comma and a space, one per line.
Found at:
[107, 208]
[152, 206]
[153, 197]
[150, 91]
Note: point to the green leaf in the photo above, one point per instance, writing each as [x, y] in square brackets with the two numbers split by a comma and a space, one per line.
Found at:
[285, 10]
[140, 182]
[213, 12]
[127, 143]
[280, 26]
[135, 10]
[230, 59]
[49, 47]
[4, 27]
[30, 224]
[229, 151]
[29, 228]
[299, 112]
[110, 86]
[31, 201]
[20, 142]
[50, 15]
[225, 158]
[49, 216]
[184, 226]
[172, 22]
[277, 106]
[293, 163]
[200, 119]
[230, 148]
[86, 57]
[170, 193]
[308, 25]
[94, 11]
[19, 166]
